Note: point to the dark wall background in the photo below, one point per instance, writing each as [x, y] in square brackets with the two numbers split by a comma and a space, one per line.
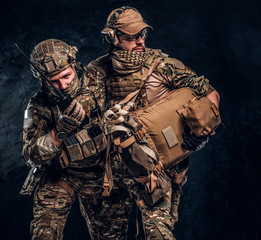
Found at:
[220, 39]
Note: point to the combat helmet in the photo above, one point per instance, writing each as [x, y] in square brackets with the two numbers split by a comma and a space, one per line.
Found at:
[52, 56]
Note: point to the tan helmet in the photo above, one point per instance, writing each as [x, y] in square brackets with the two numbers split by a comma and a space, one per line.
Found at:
[52, 56]
[125, 19]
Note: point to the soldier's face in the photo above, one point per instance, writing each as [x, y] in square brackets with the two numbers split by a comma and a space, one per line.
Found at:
[63, 79]
[135, 45]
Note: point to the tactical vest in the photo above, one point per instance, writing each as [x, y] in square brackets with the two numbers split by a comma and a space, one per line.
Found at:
[89, 140]
[120, 86]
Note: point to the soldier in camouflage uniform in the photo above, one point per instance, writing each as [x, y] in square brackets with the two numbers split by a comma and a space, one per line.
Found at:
[65, 147]
[122, 71]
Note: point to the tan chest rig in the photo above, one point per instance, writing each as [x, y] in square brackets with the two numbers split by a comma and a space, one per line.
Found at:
[88, 140]
[120, 86]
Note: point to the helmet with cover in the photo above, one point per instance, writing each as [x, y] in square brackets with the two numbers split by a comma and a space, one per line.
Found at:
[52, 56]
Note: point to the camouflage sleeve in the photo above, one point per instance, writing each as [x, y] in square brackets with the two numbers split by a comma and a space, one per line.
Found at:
[182, 76]
[37, 142]
[97, 73]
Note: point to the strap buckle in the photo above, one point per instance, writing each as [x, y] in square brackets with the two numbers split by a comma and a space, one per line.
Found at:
[157, 170]
[139, 134]
[106, 190]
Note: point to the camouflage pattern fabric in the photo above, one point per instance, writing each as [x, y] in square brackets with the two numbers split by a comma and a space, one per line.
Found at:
[158, 220]
[52, 205]
[106, 217]
[172, 73]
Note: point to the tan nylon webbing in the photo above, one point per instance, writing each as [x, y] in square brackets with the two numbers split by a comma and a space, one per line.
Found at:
[132, 96]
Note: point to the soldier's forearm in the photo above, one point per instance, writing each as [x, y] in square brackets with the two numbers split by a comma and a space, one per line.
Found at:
[43, 150]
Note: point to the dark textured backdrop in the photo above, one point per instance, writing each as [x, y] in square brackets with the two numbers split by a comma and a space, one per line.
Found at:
[220, 39]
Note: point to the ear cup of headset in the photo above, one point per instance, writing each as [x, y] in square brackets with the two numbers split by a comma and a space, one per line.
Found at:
[108, 33]
[110, 36]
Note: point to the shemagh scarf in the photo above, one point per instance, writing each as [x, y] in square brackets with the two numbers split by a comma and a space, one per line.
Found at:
[126, 62]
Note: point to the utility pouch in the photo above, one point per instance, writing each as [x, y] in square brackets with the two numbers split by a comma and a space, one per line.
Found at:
[101, 142]
[63, 159]
[98, 137]
[88, 147]
[202, 116]
[73, 148]
[85, 143]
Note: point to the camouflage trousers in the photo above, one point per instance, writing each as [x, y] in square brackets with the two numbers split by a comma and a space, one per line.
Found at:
[158, 220]
[106, 217]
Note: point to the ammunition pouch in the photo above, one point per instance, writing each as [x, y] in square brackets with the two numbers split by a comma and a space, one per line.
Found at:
[82, 145]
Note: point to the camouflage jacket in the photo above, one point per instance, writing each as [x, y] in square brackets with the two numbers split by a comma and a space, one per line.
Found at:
[41, 116]
[169, 74]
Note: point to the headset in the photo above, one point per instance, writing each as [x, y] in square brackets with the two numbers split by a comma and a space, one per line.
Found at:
[109, 32]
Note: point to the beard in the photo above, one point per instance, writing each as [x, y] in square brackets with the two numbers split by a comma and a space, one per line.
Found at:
[140, 48]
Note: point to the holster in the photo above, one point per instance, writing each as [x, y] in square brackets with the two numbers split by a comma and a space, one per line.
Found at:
[34, 177]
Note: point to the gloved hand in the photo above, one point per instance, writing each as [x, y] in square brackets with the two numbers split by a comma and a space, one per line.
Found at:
[72, 117]
[192, 142]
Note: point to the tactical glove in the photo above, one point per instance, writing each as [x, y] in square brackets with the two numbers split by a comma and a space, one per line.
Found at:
[72, 118]
[192, 142]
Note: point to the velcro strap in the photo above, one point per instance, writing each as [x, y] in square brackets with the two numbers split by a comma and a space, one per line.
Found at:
[128, 142]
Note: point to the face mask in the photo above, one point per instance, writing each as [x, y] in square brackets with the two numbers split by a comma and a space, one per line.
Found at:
[71, 90]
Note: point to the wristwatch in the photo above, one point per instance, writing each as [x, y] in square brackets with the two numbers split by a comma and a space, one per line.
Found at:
[60, 135]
